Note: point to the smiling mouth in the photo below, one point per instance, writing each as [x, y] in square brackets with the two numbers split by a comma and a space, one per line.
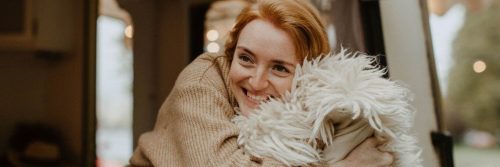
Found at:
[255, 99]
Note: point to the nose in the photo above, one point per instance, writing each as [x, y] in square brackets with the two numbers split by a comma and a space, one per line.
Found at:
[259, 80]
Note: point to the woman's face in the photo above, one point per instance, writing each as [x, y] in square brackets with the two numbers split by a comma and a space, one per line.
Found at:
[263, 64]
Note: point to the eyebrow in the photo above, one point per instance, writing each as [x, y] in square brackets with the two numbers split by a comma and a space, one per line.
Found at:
[245, 49]
[274, 61]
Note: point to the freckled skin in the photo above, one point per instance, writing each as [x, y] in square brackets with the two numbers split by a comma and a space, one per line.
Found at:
[263, 64]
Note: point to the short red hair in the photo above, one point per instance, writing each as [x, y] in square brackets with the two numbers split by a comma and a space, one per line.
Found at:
[298, 18]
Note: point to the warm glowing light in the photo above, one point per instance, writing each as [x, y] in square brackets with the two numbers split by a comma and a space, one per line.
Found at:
[212, 35]
[213, 47]
[479, 66]
[129, 31]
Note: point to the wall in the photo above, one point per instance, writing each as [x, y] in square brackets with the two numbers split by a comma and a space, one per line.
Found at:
[161, 51]
[407, 57]
[23, 88]
[60, 29]
[143, 14]
[41, 90]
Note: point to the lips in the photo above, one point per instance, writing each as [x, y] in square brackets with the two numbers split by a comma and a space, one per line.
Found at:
[254, 99]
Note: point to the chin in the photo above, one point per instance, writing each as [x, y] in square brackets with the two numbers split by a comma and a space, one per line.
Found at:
[244, 109]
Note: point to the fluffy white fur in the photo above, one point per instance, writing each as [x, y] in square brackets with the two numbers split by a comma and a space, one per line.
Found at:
[286, 129]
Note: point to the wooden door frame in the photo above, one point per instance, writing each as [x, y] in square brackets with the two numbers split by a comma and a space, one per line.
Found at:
[89, 100]
[410, 59]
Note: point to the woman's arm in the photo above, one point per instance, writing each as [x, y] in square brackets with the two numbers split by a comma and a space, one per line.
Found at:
[193, 128]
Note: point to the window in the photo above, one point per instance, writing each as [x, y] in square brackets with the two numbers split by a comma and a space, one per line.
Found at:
[466, 44]
[114, 85]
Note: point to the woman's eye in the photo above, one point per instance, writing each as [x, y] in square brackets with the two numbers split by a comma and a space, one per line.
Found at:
[245, 58]
[281, 68]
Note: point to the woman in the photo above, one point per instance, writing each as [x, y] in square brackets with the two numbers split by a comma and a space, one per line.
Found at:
[194, 125]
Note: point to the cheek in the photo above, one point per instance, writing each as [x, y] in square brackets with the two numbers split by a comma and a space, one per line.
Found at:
[282, 85]
[236, 72]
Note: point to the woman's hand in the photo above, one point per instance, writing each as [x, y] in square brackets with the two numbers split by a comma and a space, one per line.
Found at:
[366, 155]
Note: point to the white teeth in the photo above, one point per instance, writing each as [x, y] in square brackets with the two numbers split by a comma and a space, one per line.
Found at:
[256, 98]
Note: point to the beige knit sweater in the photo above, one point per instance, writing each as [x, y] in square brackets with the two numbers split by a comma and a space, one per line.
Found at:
[194, 127]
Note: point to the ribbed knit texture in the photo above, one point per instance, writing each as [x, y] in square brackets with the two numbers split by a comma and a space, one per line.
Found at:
[194, 127]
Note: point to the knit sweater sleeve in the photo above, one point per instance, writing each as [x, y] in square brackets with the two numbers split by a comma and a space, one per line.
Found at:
[194, 128]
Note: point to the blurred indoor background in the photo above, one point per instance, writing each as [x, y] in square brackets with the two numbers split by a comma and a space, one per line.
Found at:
[80, 80]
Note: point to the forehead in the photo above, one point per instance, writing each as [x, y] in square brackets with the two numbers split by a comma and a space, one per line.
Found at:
[263, 38]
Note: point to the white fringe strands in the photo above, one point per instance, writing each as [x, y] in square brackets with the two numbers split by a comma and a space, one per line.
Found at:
[286, 129]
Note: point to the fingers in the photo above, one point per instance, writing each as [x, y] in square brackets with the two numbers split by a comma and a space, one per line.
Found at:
[381, 139]
[377, 140]
[370, 142]
[368, 154]
[387, 159]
